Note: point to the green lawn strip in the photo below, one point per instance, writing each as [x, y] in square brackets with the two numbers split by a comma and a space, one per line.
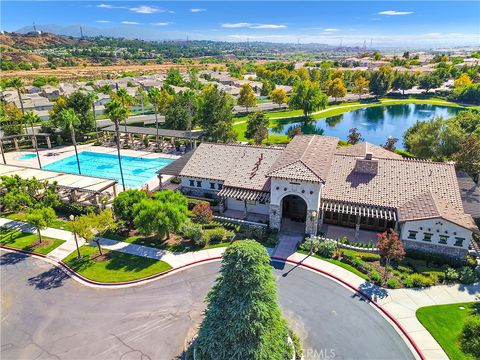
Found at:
[118, 267]
[26, 241]
[337, 262]
[56, 224]
[445, 323]
[282, 118]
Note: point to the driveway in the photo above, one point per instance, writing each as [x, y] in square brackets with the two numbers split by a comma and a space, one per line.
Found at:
[46, 315]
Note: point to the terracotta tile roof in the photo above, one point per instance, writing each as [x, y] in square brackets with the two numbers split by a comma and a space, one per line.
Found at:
[397, 183]
[429, 206]
[362, 149]
[307, 156]
[236, 165]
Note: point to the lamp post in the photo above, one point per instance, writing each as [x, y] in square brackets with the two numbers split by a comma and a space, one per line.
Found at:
[72, 218]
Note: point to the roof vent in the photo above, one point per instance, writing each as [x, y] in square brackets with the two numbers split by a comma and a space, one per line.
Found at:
[368, 155]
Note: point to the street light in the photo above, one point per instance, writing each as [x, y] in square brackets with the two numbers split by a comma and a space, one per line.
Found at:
[72, 218]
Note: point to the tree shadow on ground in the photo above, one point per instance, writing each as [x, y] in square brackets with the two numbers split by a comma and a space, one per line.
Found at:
[373, 291]
[48, 280]
[125, 262]
[12, 258]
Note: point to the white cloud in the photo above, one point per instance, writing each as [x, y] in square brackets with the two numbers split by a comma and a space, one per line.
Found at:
[103, 21]
[109, 6]
[331, 30]
[144, 9]
[130, 22]
[252, 26]
[268, 26]
[433, 34]
[395, 13]
[197, 10]
[161, 23]
[236, 25]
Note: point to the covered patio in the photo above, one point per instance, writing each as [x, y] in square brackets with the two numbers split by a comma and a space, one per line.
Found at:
[336, 232]
[85, 190]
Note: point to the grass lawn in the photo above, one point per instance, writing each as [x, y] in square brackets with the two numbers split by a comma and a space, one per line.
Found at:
[115, 266]
[280, 118]
[28, 242]
[339, 263]
[57, 223]
[445, 323]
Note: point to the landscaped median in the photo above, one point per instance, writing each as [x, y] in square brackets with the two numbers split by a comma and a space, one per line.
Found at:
[446, 323]
[113, 266]
[28, 242]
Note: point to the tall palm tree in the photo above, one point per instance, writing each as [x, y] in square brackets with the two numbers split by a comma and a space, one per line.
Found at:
[32, 118]
[116, 113]
[154, 96]
[126, 100]
[18, 84]
[93, 97]
[68, 120]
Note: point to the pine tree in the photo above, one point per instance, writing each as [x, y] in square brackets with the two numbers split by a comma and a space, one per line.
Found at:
[243, 319]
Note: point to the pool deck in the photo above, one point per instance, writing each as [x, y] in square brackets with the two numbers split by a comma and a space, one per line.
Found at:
[48, 156]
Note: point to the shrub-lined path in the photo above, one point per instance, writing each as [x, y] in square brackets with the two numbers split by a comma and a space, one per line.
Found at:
[400, 303]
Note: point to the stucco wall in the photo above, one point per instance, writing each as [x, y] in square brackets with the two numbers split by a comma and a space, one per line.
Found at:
[205, 183]
[256, 207]
[309, 191]
[436, 227]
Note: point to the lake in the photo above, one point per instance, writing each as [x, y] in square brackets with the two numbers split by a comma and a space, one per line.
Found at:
[375, 124]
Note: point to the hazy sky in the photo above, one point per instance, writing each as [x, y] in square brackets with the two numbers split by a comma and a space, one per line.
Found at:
[387, 23]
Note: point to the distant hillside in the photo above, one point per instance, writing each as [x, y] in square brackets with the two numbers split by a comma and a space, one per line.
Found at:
[32, 40]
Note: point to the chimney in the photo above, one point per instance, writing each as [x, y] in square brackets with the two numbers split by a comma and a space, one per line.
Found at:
[367, 165]
[368, 155]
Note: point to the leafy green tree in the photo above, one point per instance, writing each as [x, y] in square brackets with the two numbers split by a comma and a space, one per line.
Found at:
[267, 88]
[40, 218]
[467, 158]
[469, 121]
[463, 80]
[81, 103]
[91, 226]
[127, 101]
[429, 81]
[193, 82]
[278, 96]
[19, 195]
[257, 127]
[174, 77]
[17, 84]
[381, 81]
[161, 215]
[361, 86]
[160, 99]
[116, 113]
[308, 97]
[182, 111]
[31, 118]
[354, 136]
[93, 98]
[247, 97]
[336, 88]
[243, 319]
[216, 115]
[10, 119]
[437, 139]
[469, 339]
[69, 120]
[403, 81]
[124, 203]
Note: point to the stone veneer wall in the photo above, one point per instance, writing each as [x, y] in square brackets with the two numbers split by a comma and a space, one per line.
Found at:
[199, 192]
[311, 224]
[275, 216]
[453, 252]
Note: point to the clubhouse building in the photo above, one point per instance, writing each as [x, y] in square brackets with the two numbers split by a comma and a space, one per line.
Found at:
[313, 183]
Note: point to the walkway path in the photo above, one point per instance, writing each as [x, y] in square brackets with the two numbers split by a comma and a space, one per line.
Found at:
[400, 303]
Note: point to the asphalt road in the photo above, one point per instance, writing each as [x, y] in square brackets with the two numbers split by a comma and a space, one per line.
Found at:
[46, 315]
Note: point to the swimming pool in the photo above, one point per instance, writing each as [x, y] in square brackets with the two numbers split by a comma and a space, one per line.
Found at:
[136, 170]
[27, 156]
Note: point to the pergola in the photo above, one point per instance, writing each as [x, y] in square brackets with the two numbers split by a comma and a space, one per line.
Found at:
[14, 139]
[191, 136]
[72, 188]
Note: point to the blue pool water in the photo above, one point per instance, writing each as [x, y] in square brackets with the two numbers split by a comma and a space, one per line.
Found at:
[136, 171]
[375, 124]
[27, 156]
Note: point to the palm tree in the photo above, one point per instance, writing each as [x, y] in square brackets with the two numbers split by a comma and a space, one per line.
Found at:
[116, 113]
[18, 84]
[68, 120]
[93, 97]
[154, 95]
[32, 118]
[126, 100]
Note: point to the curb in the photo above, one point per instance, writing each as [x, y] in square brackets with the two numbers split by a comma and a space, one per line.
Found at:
[354, 288]
[71, 272]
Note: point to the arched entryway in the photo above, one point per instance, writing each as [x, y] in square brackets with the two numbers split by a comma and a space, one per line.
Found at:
[294, 213]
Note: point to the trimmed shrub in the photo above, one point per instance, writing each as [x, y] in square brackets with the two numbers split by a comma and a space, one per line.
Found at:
[369, 257]
[202, 213]
[469, 339]
[296, 345]
[308, 244]
[327, 248]
[451, 274]
[418, 280]
[272, 239]
[193, 232]
[433, 258]
[471, 262]
[216, 235]
[375, 277]
[357, 263]
[192, 202]
[392, 283]
[467, 275]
